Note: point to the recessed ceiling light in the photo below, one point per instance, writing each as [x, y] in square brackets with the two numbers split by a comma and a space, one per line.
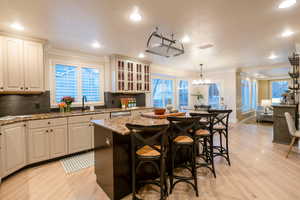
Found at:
[17, 26]
[186, 39]
[287, 33]
[135, 16]
[272, 56]
[141, 55]
[287, 3]
[96, 45]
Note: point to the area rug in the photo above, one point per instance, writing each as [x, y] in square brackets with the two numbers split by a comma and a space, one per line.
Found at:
[78, 162]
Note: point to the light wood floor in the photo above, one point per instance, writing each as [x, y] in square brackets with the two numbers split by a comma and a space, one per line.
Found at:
[259, 171]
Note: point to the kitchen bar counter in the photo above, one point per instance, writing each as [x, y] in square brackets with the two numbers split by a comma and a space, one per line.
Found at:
[50, 115]
[117, 125]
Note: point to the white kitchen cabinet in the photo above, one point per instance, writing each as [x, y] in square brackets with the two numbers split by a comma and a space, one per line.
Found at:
[58, 141]
[33, 66]
[13, 147]
[47, 139]
[13, 64]
[38, 145]
[22, 65]
[1, 162]
[130, 75]
[80, 137]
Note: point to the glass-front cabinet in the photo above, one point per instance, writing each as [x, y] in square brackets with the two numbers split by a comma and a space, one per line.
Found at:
[130, 75]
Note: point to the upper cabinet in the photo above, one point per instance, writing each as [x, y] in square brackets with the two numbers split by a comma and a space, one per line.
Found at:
[21, 66]
[130, 75]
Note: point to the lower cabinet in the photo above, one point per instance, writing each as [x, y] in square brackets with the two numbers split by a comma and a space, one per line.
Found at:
[58, 141]
[46, 143]
[80, 137]
[38, 145]
[13, 148]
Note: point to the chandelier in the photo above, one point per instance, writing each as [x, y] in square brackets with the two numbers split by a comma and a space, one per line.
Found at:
[202, 80]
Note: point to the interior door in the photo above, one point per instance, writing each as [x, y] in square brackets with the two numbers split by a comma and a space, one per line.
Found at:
[33, 66]
[38, 141]
[13, 64]
[80, 137]
[58, 141]
[13, 148]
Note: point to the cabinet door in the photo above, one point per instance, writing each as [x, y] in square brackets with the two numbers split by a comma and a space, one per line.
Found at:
[33, 66]
[13, 64]
[58, 141]
[80, 137]
[1, 65]
[38, 141]
[13, 148]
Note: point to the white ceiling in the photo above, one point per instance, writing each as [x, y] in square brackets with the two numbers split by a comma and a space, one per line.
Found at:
[244, 32]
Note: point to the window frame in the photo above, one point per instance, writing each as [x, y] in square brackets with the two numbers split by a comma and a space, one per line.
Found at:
[175, 91]
[271, 88]
[249, 96]
[79, 65]
[218, 85]
[178, 93]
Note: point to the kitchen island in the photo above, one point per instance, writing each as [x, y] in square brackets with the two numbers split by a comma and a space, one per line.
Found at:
[113, 153]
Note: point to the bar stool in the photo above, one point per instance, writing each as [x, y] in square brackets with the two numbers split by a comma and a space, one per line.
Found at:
[149, 147]
[182, 138]
[204, 137]
[220, 127]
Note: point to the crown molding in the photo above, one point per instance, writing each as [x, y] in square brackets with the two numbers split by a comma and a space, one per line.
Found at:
[23, 37]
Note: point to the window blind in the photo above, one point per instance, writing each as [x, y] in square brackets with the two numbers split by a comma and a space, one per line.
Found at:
[90, 83]
[65, 82]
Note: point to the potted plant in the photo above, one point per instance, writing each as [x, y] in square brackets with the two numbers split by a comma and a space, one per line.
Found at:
[68, 100]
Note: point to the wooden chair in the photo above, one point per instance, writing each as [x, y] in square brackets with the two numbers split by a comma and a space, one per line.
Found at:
[293, 131]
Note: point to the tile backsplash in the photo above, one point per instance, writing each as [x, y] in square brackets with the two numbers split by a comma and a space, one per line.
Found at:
[24, 104]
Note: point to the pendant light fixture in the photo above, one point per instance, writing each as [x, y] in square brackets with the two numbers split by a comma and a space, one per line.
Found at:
[202, 80]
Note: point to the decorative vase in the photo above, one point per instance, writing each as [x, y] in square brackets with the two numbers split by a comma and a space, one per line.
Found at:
[68, 108]
[62, 109]
[169, 107]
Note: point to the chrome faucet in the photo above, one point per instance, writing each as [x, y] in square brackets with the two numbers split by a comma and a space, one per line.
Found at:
[83, 99]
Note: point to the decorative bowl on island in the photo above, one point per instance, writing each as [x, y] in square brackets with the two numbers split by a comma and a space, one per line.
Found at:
[159, 111]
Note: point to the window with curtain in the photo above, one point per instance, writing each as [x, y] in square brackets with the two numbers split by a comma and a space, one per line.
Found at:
[278, 88]
[162, 92]
[245, 86]
[65, 82]
[76, 81]
[183, 93]
[213, 95]
[254, 95]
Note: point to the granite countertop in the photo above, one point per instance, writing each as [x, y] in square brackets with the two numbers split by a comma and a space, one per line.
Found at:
[118, 124]
[50, 115]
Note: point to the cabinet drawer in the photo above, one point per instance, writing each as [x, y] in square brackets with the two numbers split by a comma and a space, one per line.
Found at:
[80, 119]
[47, 122]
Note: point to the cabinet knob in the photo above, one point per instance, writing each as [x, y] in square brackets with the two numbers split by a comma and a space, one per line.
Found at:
[26, 88]
[47, 131]
[1, 88]
[21, 88]
[0, 133]
[51, 130]
[49, 122]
